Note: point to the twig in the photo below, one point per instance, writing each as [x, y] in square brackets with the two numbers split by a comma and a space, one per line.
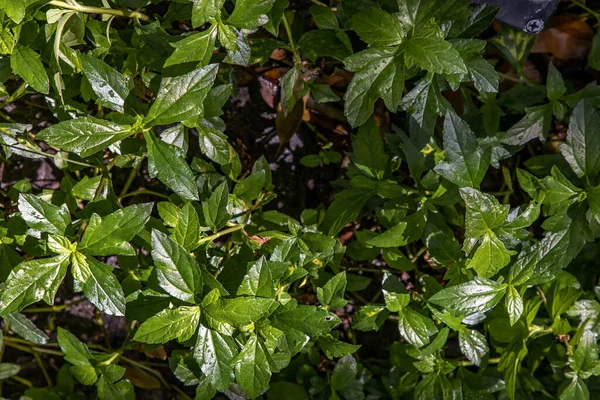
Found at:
[222, 233]
[98, 10]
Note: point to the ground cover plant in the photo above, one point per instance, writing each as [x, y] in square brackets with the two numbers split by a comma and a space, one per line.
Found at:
[297, 200]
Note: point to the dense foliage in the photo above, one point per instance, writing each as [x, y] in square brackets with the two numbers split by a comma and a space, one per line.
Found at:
[457, 259]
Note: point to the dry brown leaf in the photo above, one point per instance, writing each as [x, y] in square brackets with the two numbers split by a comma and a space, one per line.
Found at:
[287, 125]
[568, 37]
[141, 379]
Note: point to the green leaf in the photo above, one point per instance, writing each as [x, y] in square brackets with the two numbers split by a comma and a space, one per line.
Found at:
[466, 160]
[258, 281]
[538, 263]
[215, 352]
[345, 208]
[514, 304]
[324, 17]
[398, 235]
[122, 390]
[575, 390]
[322, 93]
[101, 286]
[490, 257]
[415, 328]
[334, 348]
[394, 293]
[483, 74]
[171, 323]
[28, 65]
[240, 311]
[197, 47]
[215, 208]
[214, 145]
[478, 295]
[583, 143]
[370, 317]
[84, 136]
[166, 163]
[585, 357]
[250, 14]
[17, 11]
[332, 293]
[431, 52]
[473, 345]
[19, 324]
[535, 124]
[110, 235]
[555, 84]
[75, 352]
[425, 103]
[324, 43]
[484, 212]
[7, 370]
[309, 320]
[181, 98]
[177, 271]
[252, 370]
[43, 216]
[250, 187]
[32, 281]
[378, 27]
[203, 10]
[379, 74]
[368, 153]
[344, 379]
[112, 88]
[187, 228]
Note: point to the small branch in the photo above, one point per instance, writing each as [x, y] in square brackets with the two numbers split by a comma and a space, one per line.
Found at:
[222, 233]
[37, 357]
[288, 30]
[495, 360]
[149, 192]
[98, 10]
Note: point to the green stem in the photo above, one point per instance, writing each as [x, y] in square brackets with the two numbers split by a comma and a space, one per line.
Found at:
[23, 381]
[586, 8]
[495, 360]
[222, 233]
[56, 308]
[37, 357]
[113, 357]
[150, 192]
[130, 179]
[98, 10]
[288, 30]
[41, 153]
[20, 91]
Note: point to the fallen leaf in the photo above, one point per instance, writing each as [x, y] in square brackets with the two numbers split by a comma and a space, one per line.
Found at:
[141, 379]
[568, 37]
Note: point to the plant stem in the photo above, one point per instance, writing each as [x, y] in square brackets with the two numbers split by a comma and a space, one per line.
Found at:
[41, 153]
[144, 191]
[288, 30]
[134, 172]
[56, 308]
[15, 95]
[586, 8]
[22, 380]
[495, 360]
[30, 349]
[37, 357]
[113, 357]
[98, 10]
[222, 233]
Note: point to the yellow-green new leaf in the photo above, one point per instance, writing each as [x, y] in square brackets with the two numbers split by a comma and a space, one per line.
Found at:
[178, 323]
